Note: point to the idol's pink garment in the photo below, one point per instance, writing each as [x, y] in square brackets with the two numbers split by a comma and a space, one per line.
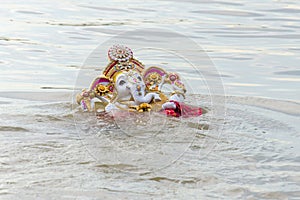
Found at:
[183, 110]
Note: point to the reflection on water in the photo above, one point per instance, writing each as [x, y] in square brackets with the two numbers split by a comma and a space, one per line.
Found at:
[255, 47]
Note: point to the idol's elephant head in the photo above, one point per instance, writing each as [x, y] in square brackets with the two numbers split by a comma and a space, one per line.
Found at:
[138, 89]
[130, 85]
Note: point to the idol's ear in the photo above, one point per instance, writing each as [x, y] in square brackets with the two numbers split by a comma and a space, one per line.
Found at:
[154, 78]
[101, 80]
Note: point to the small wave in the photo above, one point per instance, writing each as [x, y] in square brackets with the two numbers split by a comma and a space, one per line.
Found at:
[5, 102]
[30, 12]
[13, 129]
[283, 106]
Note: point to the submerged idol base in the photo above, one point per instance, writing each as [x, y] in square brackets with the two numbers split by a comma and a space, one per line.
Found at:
[125, 84]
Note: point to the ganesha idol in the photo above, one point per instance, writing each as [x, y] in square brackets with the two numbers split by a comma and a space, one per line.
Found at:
[126, 85]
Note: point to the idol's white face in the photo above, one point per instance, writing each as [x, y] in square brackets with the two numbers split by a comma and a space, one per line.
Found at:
[135, 81]
[134, 77]
[129, 84]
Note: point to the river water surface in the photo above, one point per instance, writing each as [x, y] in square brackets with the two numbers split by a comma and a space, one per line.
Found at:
[51, 150]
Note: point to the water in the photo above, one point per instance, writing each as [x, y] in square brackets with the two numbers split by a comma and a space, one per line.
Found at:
[45, 155]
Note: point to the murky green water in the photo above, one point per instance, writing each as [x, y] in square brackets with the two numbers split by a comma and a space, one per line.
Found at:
[48, 152]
